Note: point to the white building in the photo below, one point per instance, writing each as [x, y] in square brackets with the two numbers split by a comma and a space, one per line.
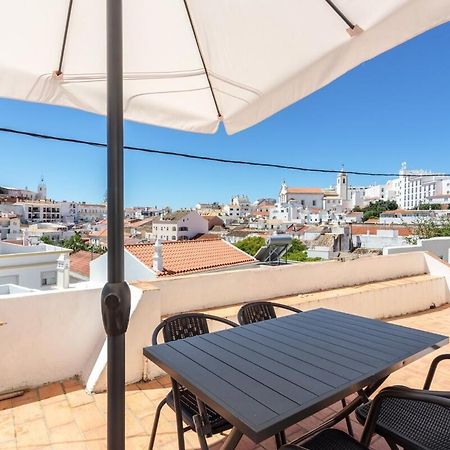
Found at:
[303, 196]
[181, 225]
[32, 266]
[409, 216]
[53, 231]
[40, 211]
[238, 208]
[9, 226]
[89, 212]
[417, 187]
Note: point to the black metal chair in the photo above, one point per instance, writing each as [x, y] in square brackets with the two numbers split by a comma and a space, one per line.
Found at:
[427, 435]
[400, 423]
[183, 326]
[258, 311]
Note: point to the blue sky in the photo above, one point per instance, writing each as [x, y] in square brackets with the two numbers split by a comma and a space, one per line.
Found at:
[394, 108]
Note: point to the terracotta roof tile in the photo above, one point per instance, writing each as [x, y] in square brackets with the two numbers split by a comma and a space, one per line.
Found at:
[372, 229]
[304, 190]
[79, 262]
[182, 257]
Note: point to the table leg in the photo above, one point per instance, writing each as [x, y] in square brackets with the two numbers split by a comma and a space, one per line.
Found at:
[176, 400]
[344, 412]
[232, 440]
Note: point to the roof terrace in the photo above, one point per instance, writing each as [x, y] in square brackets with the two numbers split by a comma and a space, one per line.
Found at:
[61, 369]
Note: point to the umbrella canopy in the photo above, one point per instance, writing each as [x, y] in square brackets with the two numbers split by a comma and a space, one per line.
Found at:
[191, 64]
[188, 65]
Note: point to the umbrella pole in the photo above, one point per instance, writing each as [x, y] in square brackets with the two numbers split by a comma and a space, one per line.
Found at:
[116, 293]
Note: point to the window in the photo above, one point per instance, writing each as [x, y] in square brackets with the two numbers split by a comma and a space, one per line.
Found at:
[48, 278]
[314, 203]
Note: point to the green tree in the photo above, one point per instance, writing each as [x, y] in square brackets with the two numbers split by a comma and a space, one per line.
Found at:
[75, 243]
[374, 209]
[251, 245]
[46, 240]
[427, 228]
[428, 206]
[298, 252]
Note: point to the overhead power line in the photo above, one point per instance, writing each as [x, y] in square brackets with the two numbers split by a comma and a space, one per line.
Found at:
[207, 158]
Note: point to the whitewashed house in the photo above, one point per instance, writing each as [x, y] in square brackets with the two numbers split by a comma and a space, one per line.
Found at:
[9, 226]
[33, 266]
[181, 225]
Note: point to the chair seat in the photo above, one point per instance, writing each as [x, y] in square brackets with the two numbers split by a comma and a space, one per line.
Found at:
[189, 409]
[402, 421]
[330, 439]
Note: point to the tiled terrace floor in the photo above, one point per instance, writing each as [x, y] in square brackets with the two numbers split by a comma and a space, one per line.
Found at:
[62, 416]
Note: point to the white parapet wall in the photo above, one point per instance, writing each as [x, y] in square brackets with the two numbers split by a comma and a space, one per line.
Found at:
[212, 290]
[439, 246]
[48, 336]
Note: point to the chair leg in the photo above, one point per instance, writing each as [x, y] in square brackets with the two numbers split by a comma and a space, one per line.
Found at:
[155, 424]
[348, 420]
[392, 445]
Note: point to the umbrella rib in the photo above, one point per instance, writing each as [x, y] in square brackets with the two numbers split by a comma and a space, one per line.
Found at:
[202, 58]
[341, 14]
[66, 29]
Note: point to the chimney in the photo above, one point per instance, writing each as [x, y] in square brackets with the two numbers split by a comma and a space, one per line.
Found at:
[158, 265]
[62, 272]
[25, 238]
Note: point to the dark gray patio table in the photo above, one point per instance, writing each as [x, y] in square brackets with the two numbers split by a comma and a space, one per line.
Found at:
[269, 375]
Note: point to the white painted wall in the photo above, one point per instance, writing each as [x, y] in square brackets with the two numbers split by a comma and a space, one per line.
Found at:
[211, 290]
[134, 269]
[48, 336]
[26, 263]
[439, 246]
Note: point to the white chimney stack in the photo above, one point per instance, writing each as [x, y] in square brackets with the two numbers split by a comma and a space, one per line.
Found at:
[62, 272]
[158, 265]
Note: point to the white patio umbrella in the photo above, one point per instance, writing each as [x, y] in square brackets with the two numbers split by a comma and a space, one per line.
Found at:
[187, 65]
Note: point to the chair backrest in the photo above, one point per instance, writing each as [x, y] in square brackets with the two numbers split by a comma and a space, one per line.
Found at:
[186, 325]
[259, 311]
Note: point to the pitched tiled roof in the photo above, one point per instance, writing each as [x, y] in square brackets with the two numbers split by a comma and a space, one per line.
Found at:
[173, 217]
[183, 257]
[304, 190]
[79, 262]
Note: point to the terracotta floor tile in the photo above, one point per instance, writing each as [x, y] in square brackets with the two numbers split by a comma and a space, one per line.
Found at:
[96, 444]
[88, 417]
[139, 404]
[70, 446]
[28, 397]
[96, 433]
[7, 430]
[5, 404]
[78, 397]
[133, 426]
[72, 384]
[27, 412]
[57, 414]
[101, 401]
[32, 433]
[51, 393]
[68, 433]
